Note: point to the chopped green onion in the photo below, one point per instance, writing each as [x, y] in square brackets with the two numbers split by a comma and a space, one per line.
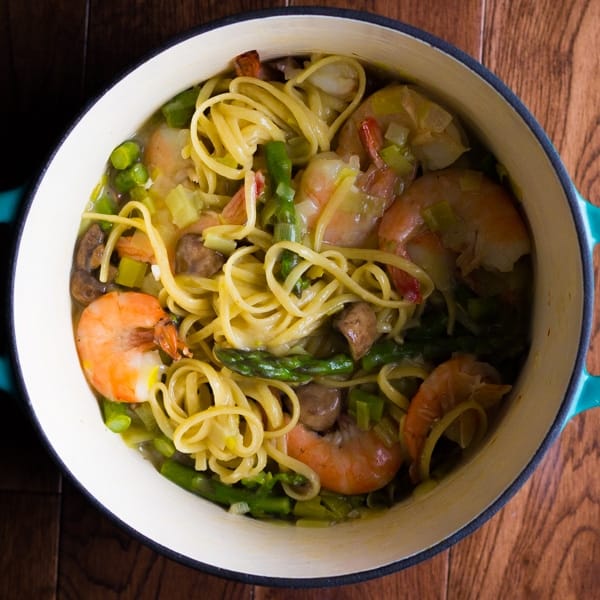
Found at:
[131, 272]
[115, 415]
[125, 155]
[179, 110]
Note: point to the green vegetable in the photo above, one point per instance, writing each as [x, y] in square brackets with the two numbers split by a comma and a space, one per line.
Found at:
[399, 159]
[131, 177]
[439, 216]
[131, 272]
[312, 509]
[366, 408]
[285, 219]
[297, 368]
[182, 205]
[115, 415]
[215, 491]
[441, 348]
[179, 110]
[164, 445]
[125, 155]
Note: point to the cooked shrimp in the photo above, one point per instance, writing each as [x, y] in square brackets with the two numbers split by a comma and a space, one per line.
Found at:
[117, 339]
[164, 158]
[350, 205]
[457, 380]
[347, 461]
[407, 118]
[481, 225]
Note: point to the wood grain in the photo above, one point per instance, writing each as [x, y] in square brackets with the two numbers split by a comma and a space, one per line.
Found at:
[545, 543]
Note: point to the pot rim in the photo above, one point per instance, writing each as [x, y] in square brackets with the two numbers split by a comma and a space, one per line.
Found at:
[571, 195]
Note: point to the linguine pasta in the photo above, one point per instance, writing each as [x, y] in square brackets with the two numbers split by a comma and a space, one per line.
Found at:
[276, 297]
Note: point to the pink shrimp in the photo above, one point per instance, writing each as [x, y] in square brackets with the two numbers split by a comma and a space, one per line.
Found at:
[163, 156]
[117, 337]
[457, 380]
[347, 461]
[406, 117]
[483, 230]
[361, 197]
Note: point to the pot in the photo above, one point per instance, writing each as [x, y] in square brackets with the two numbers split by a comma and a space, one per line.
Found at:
[553, 386]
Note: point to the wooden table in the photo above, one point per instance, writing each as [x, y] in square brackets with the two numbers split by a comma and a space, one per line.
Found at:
[545, 543]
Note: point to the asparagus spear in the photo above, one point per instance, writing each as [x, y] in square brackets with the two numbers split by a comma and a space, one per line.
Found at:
[286, 226]
[215, 491]
[297, 368]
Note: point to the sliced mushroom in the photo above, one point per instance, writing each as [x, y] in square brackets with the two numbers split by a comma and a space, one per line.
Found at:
[90, 248]
[320, 406]
[192, 256]
[85, 288]
[358, 324]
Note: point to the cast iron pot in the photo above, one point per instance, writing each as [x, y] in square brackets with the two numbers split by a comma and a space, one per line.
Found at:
[553, 386]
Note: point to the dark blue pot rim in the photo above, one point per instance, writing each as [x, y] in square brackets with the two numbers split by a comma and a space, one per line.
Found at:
[564, 413]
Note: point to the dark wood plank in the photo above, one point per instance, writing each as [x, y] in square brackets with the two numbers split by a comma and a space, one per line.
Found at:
[98, 559]
[438, 18]
[29, 534]
[41, 59]
[122, 33]
[25, 465]
[426, 581]
[545, 543]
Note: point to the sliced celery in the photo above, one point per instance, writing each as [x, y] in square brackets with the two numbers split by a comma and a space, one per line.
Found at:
[397, 133]
[365, 407]
[398, 158]
[131, 272]
[181, 204]
[219, 243]
[439, 216]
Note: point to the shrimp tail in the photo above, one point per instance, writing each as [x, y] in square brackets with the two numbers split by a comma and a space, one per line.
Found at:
[165, 337]
[371, 138]
[405, 284]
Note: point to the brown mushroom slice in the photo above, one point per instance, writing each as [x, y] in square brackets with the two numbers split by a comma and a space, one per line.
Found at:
[320, 406]
[193, 257]
[90, 248]
[358, 324]
[85, 288]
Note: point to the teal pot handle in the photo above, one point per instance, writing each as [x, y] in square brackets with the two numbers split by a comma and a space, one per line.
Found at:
[9, 204]
[587, 394]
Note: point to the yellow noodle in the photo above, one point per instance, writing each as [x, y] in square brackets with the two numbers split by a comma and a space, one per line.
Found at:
[442, 425]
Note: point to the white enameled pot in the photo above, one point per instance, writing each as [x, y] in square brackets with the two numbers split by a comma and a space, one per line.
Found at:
[553, 386]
